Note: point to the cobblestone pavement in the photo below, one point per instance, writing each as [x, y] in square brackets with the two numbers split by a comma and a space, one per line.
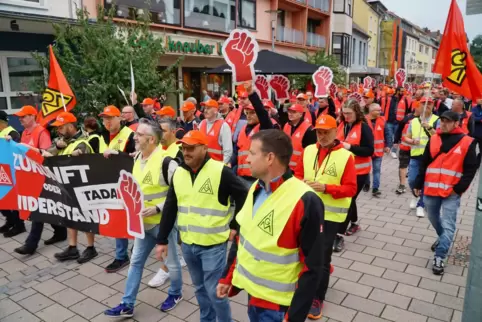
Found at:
[383, 275]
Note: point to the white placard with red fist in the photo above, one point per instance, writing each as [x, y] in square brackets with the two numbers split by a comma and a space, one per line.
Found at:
[400, 77]
[262, 86]
[367, 82]
[374, 82]
[281, 87]
[356, 96]
[240, 51]
[322, 79]
[333, 89]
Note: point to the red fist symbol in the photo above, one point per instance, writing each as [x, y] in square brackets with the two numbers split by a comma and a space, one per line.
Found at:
[356, 96]
[367, 82]
[322, 79]
[262, 86]
[333, 90]
[131, 195]
[281, 85]
[374, 82]
[400, 77]
[240, 51]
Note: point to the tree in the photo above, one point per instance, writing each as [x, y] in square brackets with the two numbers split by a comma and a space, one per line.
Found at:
[319, 58]
[95, 57]
[476, 51]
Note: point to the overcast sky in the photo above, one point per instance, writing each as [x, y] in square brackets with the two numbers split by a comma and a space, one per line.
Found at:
[433, 14]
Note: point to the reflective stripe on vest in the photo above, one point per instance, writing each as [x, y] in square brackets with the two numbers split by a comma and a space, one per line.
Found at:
[296, 140]
[265, 270]
[419, 133]
[363, 165]
[148, 179]
[119, 142]
[378, 134]
[445, 171]
[244, 142]
[215, 150]
[336, 210]
[202, 220]
[437, 185]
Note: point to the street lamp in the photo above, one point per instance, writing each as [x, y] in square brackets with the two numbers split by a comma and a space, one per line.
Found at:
[274, 18]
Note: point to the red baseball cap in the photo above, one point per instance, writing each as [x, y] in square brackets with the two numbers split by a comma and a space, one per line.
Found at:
[148, 101]
[249, 107]
[188, 106]
[166, 111]
[64, 118]
[325, 122]
[296, 108]
[244, 95]
[27, 110]
[224, 100]
[110, 110]
[194, 138]
[210, 103]
[268, 104]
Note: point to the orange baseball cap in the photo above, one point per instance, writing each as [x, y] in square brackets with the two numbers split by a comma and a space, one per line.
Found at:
[64, 118]
[166, 111]
[426, 99]
[210, 103]
[244, 95]
[148, 101]
[415, 104]
[194, 138]
[302, 96]
[369, 94]
[296, 108]
[325, 122]
[188, 106]
[224, 100]
[110, 110]
[27, 110]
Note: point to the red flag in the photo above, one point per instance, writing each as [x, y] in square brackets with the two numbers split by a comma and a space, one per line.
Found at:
[454, 62]
[58, 97]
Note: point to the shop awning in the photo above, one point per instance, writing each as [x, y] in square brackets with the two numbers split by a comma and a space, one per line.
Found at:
[269, 62]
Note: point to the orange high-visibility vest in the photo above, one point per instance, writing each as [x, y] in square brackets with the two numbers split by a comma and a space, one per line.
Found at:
[379, 135]
[363, 165]
[446, 170]
[385, 105]
[403, 144]
[402, 107]
[296, 139]
[33, 139]
[464, 123]
[338, 106]
[230, 119]
[308, 119]
[215, 150]
[244, 141]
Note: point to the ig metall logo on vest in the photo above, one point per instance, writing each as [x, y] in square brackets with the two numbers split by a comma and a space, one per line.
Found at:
[266, 224]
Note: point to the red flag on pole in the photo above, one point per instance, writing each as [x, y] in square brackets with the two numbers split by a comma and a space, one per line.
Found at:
[58, 97]
[454, 62]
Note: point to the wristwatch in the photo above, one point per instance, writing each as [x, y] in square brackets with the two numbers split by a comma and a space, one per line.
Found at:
[158, 210]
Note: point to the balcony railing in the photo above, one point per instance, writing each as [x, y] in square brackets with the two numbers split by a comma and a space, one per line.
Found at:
[301, 1]
[132, 9]
[315, 40]
[323, 5]
[289, 35]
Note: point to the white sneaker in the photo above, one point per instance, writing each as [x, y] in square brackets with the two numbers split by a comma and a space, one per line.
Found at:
[394, 155]
[160, 278]
[420, 212]
[413, 203]
[182, 261]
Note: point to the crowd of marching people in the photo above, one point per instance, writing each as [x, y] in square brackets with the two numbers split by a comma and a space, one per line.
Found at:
[278, 179]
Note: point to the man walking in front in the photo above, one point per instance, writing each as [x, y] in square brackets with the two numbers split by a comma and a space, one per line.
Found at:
[447, 168]
[149, 169]
[199, 199]
[278, 258]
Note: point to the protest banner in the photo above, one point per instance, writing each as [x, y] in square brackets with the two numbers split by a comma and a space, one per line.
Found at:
[240, 51]
[322, 79]
[81, 192]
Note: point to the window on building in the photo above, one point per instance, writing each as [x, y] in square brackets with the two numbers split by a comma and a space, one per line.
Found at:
[339, 6]
[210, 15]
[312, 24]
[364, 53]
[359, 52]
[163, 12]
[349, 11]
[420, 48]
[425, 67]
[341, 48]
[353, 51]
[281, 18]
[426, 50]
[18, 72]
[247, 13]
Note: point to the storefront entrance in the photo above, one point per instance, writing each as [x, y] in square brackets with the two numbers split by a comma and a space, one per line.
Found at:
[195, 81]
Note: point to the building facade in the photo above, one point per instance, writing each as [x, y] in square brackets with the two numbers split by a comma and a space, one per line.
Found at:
[342, 29]
[359, 54]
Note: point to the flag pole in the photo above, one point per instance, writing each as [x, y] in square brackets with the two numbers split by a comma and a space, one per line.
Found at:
[63, 102]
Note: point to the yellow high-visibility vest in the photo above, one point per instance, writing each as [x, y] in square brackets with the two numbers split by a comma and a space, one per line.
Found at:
[336, 210]
[263, 269]
[202, 220]
[172, 150]
[102, 144]
[419, 133]
[119, 142]
[73, 145]
[6, 131]
[148, 179]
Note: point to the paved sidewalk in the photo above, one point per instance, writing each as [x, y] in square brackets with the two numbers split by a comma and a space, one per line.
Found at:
[383, 275]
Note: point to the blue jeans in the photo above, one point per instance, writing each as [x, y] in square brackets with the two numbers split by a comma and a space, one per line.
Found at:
[140, 253]
[376, 169]
[390, 129]
[413, 168]
[443, 225]
[121, 246]
[206, 265]
[259, 314]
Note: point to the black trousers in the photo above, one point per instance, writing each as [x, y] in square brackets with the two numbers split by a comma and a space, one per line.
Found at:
[330, 230]
[36, 233]
[353, 211]
[12, 217]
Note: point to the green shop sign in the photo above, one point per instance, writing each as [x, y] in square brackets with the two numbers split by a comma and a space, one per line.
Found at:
[195, 47]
